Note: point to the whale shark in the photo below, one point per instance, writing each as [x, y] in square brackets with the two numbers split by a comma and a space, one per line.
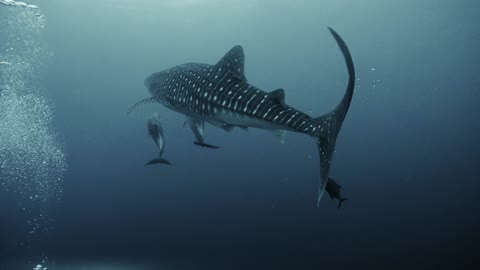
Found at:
[221, 95]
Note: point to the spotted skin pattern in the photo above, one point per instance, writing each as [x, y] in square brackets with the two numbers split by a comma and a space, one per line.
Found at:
[221, 95]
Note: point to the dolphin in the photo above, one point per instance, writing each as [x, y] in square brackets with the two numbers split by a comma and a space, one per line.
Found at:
[333, 189]
[197, 126]
[155, 131]
[220, 95]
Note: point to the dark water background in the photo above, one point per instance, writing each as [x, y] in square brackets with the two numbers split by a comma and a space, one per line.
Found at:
[407, 155]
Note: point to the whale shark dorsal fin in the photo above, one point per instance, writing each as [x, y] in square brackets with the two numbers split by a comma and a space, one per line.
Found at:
[278, 95]
[233, 62]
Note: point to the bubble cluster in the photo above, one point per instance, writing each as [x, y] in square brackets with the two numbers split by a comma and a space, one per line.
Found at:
[39, 267]
[32, 161]
[17, 4]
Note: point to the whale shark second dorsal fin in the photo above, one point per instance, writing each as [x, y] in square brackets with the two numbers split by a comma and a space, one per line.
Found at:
[234, 62]
[278, 95]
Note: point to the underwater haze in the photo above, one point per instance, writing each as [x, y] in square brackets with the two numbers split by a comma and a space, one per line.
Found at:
[74, 191]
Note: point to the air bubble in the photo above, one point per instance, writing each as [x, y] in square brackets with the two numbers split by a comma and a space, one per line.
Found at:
[32, 162]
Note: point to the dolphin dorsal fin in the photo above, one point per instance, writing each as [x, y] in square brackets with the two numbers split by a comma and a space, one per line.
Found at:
[234, 62]
[278, 95]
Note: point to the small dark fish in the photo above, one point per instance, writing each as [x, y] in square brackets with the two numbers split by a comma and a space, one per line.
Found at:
[334, 190]
[155, 131]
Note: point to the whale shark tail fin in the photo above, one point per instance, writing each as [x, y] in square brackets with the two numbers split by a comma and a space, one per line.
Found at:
[329, 125]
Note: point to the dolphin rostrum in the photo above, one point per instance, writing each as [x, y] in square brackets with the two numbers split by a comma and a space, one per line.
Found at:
[220, 95]
[197, 125]
[155, 131]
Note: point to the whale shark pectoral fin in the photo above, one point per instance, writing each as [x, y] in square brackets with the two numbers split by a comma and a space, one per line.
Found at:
[158, 161]
[205, 145]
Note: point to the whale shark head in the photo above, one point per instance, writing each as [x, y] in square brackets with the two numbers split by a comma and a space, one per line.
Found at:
[156, 81]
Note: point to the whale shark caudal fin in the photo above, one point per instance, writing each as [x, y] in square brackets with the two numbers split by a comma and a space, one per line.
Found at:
[330, 123]
[158, 161]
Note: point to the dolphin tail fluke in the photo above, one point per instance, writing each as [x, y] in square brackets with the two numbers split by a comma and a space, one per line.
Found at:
[329, 124]
[341, 201]
[206, 145]
[158, 161]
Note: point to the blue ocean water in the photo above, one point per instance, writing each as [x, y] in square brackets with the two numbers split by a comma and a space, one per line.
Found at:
[74, 193]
